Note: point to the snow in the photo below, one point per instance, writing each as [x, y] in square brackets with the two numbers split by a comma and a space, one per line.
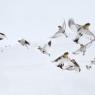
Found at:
[27, 71]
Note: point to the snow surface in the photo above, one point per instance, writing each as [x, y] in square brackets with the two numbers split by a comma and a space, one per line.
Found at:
[28, 72]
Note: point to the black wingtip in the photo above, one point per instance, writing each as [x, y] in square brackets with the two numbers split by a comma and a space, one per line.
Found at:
[76, 41]
[49, 43]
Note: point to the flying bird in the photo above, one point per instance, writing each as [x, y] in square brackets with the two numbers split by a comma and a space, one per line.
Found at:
[61, 31]
[61, 59]
[80, 30]
[24, 42]
[88, 67]
[45, 48]
[72, 64]
[93, 61]
[2, 36]
[83, 48]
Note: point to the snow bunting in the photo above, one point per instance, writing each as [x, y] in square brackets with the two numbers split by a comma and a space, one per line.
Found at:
[45, 48]
[2, 36]
[88, 67]
[93, 61]
[61, 59]
[80, 30]
[83, 48]
[24, 42]
[72, 64]
[61, 31]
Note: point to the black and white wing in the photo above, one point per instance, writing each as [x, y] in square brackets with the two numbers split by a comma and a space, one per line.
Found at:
[89, 44]
[2, 36]
[77, 51]
[64, 25]
[73, 26]
[57, 34]
[90, 34]
[93, 61]
[88, 67]
[61, 31]
[47, 46]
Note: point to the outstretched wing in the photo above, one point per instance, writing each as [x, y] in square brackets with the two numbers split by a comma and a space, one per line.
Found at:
[77, 51]
[73, 26]
[90, 34]
[64, 25]
[47, 46]
[89, 44]
[57, 34]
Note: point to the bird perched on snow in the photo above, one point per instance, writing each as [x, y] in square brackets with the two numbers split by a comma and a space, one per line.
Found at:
[80, 30]
[45, 48]
[83, 48]
[24, 42]
[2, 36]
[61, 31]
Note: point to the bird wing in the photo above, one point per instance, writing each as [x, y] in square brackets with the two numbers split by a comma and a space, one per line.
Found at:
[73, 26]
[77, 51]
[64, 25]
[58, 58]
[47, 46]
[57, 34]
[89, 44]
[90, 34]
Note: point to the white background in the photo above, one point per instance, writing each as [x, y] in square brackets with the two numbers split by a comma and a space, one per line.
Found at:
[27, 71]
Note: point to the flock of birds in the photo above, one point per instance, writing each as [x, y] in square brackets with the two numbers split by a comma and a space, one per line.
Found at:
[80, 30]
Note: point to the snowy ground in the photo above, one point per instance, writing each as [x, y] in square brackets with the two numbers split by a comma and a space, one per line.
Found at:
[28, 72]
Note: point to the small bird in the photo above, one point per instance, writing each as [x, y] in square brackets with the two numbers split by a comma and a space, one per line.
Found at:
[45, 48]
[80, 30]
[72, 64]
[88, 67]
[2, 36]
[93, 61]
[24, 42]
[83, 48]
[61, 31]
[61, 59]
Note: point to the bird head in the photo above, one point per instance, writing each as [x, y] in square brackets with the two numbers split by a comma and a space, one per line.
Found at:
[86, 26]
[65, 55]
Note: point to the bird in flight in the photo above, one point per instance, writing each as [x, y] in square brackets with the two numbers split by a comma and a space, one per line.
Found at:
[45, 48]
[24, 42]
[72, 64]
[83, 48]
[61, 31]
[80, 30]
[2, 36]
